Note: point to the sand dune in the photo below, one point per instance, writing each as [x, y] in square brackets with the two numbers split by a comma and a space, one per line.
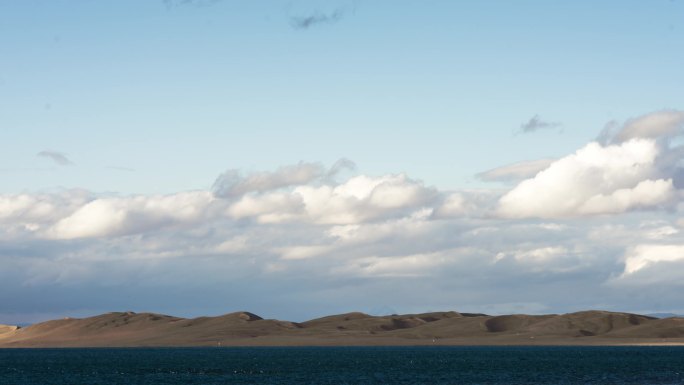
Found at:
[445, 328]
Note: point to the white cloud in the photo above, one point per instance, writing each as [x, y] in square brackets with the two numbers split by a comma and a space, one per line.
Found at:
[635, 166]
[343, 241]
[595, 180]
[359, 199]
[549, 257]
[363, 198]
[454, 205]
[643, 256]
[648, 193]
[304, 252]
[515, 172]
[40, 207]
[78, 214]
[409, 226]
[273, 207]
[116, 216]
[358, 235]
[25, 207]
[661, 232]
[540, 255]
[33, 213]
[397, 266]
[233, 245]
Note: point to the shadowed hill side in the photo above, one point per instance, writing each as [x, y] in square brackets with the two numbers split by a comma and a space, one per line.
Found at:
[364, 323]
[580, 324]
[660, 328]
[588, 323]
[513, 323]
[244, 328]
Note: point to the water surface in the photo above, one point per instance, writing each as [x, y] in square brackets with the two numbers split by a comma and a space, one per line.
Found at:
[345, 365]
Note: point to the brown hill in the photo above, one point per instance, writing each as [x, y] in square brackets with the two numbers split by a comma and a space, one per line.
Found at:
[659, 328]
[447, 328]
[7, 329]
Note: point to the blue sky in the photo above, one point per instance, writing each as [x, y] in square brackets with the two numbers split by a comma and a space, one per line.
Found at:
[155, 104]
[197, 87]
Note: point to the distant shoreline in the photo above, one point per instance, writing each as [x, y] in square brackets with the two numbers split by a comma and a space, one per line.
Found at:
[266, 346]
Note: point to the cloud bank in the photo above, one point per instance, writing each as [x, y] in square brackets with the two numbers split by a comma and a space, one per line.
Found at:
[603, 222]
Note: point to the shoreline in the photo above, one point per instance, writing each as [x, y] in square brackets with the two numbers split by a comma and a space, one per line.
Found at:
[351, 344]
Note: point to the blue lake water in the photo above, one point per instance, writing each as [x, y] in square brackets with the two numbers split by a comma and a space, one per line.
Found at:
[345, 365]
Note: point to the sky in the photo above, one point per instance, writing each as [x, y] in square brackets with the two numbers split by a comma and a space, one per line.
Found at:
[302, 158]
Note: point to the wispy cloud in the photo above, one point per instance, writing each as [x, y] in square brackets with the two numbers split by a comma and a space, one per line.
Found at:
[316, 18]
[515, 172]
[56, 156]
[535, 124]
[232, 183]
[659, 124]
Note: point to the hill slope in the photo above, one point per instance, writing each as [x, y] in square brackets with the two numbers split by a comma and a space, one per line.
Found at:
[447, 328]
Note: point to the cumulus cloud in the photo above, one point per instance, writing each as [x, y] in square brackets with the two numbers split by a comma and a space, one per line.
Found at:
[56, 156]
[316, 18]
[114, 216]
[453, 205]
[536, 123]
[515, 172]
[643, 256]
[646, 194]
[634, 166]
[268, 208]
[364, 198]
[305, 193]
[33, 213]
[416, 224]
[359, 199]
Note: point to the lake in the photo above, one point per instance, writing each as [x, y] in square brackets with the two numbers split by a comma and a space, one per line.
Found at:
[345, 365]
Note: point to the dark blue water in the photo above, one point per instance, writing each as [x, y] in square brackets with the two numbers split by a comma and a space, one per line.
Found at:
[345, 365]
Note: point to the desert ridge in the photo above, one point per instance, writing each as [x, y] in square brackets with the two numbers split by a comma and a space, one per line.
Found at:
[129, 329]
